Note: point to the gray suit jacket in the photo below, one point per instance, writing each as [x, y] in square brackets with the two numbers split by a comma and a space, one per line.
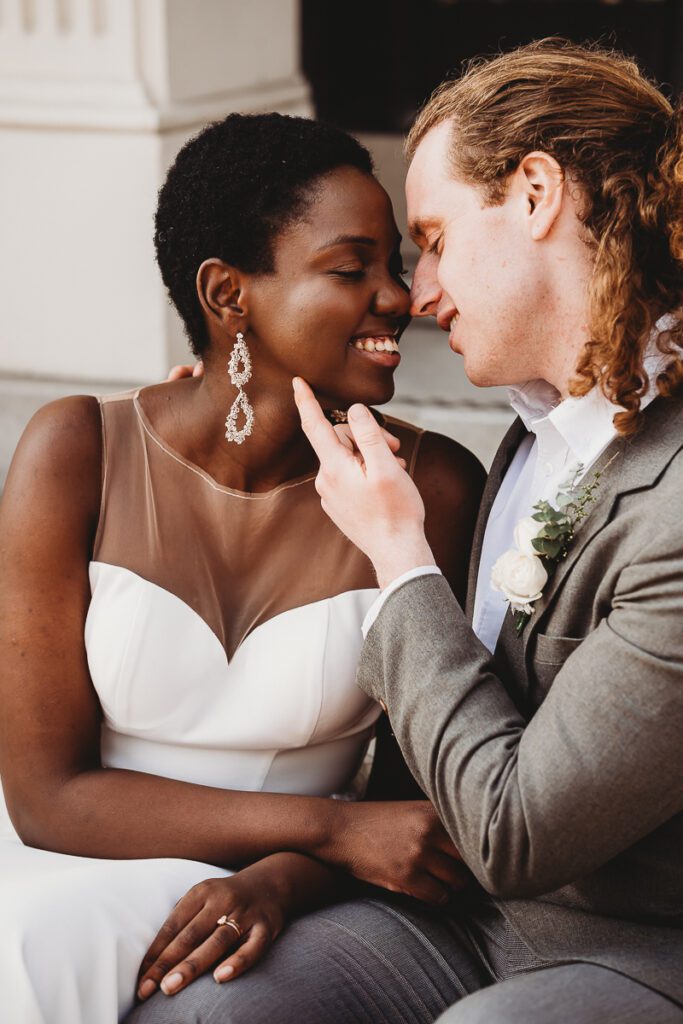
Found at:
[557, 764]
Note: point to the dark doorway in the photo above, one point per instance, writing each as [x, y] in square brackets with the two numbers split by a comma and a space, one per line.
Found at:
[372, 63]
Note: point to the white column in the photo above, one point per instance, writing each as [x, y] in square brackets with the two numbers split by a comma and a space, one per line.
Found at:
[96, 96]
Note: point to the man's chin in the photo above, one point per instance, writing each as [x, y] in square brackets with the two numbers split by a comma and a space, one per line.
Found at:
[481, 376]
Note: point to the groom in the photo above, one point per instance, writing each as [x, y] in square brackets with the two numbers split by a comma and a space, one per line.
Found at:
[545, 721]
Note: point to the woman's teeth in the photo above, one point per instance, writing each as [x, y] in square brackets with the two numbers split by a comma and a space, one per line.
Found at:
[384, 343]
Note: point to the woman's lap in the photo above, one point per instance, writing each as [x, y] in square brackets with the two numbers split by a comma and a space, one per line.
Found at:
[359, 962]
[75, 929]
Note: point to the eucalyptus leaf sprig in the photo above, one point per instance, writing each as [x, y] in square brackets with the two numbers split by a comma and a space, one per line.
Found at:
[556, 533]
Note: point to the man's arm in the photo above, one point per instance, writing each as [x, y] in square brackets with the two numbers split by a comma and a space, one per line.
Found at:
[450, 480]
[533, 806]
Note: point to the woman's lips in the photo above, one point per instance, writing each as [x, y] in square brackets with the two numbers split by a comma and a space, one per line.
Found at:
[381, 349]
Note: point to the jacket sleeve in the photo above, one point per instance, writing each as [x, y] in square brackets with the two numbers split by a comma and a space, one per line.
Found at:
[533, 807]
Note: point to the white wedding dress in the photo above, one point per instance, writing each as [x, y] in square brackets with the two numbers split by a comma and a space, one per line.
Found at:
[222, 640]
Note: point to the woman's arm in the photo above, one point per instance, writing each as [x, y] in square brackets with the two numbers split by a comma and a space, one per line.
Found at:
[451, 481]
[58, 794]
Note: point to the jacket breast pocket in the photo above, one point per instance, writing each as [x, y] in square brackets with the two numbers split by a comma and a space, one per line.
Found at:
[554, 650]
[549, 655]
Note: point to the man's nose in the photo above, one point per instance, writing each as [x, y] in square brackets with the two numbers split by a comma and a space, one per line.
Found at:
[425, 291]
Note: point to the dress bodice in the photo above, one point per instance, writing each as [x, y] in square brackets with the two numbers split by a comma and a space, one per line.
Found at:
[224, 628]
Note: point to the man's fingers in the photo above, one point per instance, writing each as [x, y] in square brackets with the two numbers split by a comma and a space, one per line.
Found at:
[249, 953]
[343, 432]
[180, 372]
[392, 441]
[317, 429]
[370, 439]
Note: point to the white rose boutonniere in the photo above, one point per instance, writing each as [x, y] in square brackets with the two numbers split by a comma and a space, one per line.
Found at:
[541, 542]
[520, 577]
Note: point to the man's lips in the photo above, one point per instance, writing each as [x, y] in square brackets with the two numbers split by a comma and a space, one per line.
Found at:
[446, 319]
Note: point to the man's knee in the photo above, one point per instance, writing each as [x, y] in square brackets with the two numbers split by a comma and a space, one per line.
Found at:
[518, 1000]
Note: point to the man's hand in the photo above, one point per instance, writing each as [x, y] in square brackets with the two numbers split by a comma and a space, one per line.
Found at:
[365, 491]
[179, 372]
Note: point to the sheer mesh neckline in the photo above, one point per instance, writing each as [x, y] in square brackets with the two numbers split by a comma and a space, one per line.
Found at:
[194, 468]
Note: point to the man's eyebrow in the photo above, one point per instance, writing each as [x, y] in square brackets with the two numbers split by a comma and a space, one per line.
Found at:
[349, 240]
[418, 228]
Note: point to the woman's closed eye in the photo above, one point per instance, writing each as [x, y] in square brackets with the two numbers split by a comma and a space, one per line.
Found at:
[356, 274]
[396, 268]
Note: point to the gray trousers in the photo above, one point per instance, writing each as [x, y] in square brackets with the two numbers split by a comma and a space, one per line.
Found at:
[386, 960]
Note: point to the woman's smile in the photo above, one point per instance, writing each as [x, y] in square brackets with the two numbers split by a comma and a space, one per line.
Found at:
[382, 349]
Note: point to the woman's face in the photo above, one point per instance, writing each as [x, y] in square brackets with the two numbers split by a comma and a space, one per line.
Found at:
[336, 295]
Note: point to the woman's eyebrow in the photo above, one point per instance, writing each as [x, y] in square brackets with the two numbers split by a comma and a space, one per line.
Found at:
[349, 240]
[355, 240]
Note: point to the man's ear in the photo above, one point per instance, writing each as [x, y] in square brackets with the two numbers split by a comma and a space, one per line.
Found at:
[541, 180]
[220, 291]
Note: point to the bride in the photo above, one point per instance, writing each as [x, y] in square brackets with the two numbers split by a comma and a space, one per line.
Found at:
[179, 620]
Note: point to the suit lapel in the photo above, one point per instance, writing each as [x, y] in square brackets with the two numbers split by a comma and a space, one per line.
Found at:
[627, 464]
[501, 462]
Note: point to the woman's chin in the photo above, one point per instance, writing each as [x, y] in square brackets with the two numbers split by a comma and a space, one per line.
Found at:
[366, 392]
[370, 396]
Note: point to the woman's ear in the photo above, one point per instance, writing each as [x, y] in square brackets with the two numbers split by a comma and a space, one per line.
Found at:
[542, 180]
[220, 292]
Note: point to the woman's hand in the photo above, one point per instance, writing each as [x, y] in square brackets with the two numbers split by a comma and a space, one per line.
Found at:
[400, 846]
[259, 900]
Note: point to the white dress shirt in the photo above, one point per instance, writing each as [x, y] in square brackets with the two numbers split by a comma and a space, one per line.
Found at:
[565, 439]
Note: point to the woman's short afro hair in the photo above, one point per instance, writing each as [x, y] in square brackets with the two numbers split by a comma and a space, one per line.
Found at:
[232, 189]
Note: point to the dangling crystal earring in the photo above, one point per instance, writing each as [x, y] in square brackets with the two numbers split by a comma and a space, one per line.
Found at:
[239, 354]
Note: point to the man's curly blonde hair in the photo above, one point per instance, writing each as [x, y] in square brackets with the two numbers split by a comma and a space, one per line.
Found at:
[620, 140]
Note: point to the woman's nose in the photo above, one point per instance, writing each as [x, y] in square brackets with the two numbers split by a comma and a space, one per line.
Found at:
[393, 299]
[425, 291]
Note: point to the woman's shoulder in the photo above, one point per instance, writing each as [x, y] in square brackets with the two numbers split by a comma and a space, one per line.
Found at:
[447, 467]
[57, 465]
[440, 464]
[64, 432]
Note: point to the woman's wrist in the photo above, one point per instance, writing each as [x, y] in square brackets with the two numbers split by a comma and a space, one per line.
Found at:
[300, 882]
[332, 827]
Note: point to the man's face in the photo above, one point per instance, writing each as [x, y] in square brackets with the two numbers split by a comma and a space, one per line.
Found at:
[479, 271]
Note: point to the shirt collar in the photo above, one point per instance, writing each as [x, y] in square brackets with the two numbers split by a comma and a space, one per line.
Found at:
[585, 424]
